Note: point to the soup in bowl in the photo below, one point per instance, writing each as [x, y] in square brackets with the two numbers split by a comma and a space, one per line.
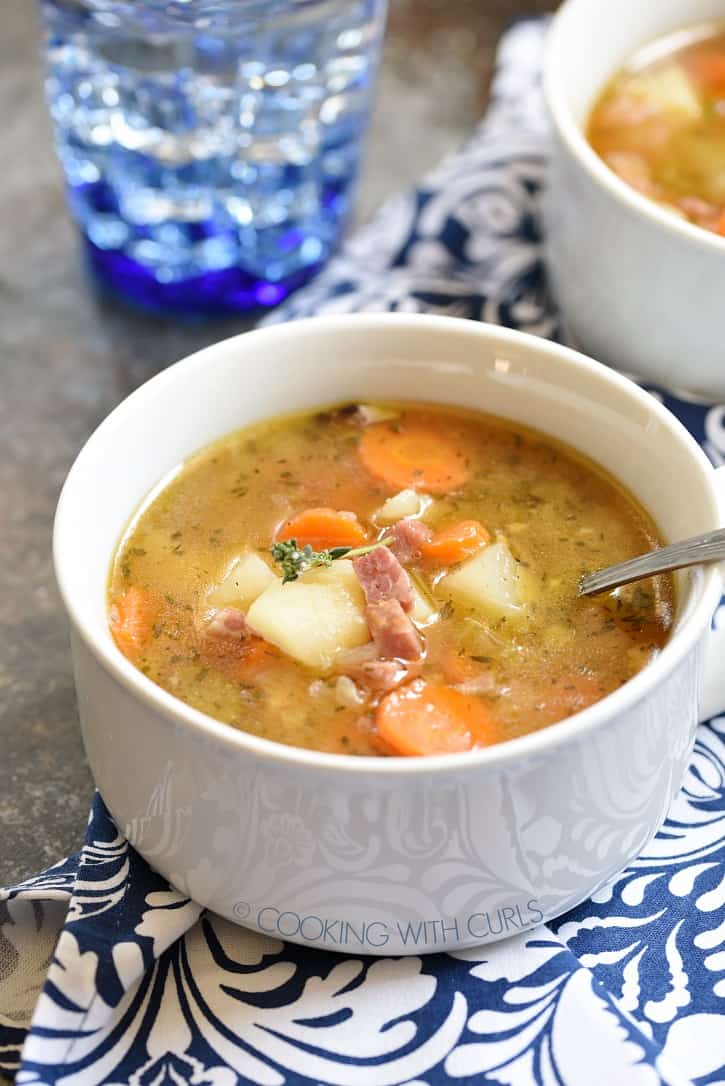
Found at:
[633, 211]
[396, 853]
[660, 124]
[389, 579]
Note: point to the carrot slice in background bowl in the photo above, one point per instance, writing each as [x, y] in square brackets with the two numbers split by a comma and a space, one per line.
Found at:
[424, 718]
[323, 528]
[413, 456]
[707, 69]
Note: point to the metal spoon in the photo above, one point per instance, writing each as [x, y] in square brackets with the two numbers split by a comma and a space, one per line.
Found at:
[709, 547]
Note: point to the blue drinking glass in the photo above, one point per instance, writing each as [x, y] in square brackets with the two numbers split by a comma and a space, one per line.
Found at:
[210, 147]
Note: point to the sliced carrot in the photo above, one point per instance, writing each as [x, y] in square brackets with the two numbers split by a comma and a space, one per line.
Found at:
[426, 718]
[131, 620]
[378, 744]
[257, 656]
[720, 227]
[708, 69]
[456, 543]
[413, 455]
[323, 528]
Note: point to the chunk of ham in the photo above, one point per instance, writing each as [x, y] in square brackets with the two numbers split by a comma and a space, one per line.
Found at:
[393, 634]
[381, 676]
[229, 622]
[382, 577]
[408, 535]
[364, 666]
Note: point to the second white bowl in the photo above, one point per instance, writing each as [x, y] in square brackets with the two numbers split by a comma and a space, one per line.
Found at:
[640, 289]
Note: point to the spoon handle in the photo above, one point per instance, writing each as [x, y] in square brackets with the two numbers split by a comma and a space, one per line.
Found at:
[709, 547]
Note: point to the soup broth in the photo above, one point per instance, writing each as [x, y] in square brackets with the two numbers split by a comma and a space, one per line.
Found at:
[433, 557]
[660, 125]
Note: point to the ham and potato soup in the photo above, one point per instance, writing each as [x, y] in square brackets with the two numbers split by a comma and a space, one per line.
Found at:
[660, 125]
[386, 580]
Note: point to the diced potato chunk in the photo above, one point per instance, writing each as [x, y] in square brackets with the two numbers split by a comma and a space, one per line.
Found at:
[347, 693]
[374, 413]
[423, 613]
[490, 582]
[666, 90]
[342, 574]
[245, 578]
[314, 617]
[408, 503]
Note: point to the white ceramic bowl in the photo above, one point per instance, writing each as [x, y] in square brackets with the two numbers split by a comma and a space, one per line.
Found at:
[386, 856]
[640, 289]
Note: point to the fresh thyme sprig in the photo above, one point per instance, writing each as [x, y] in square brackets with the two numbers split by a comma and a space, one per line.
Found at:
[294, 559]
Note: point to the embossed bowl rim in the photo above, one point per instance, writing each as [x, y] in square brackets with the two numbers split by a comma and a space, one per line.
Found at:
[543, 743]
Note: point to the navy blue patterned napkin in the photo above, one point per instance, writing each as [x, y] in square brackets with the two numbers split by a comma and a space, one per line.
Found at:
[108, 975]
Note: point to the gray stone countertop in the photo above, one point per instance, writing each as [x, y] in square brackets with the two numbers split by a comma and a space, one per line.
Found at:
[67, 357]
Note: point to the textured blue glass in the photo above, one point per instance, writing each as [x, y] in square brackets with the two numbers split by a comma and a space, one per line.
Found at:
[210, 147]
